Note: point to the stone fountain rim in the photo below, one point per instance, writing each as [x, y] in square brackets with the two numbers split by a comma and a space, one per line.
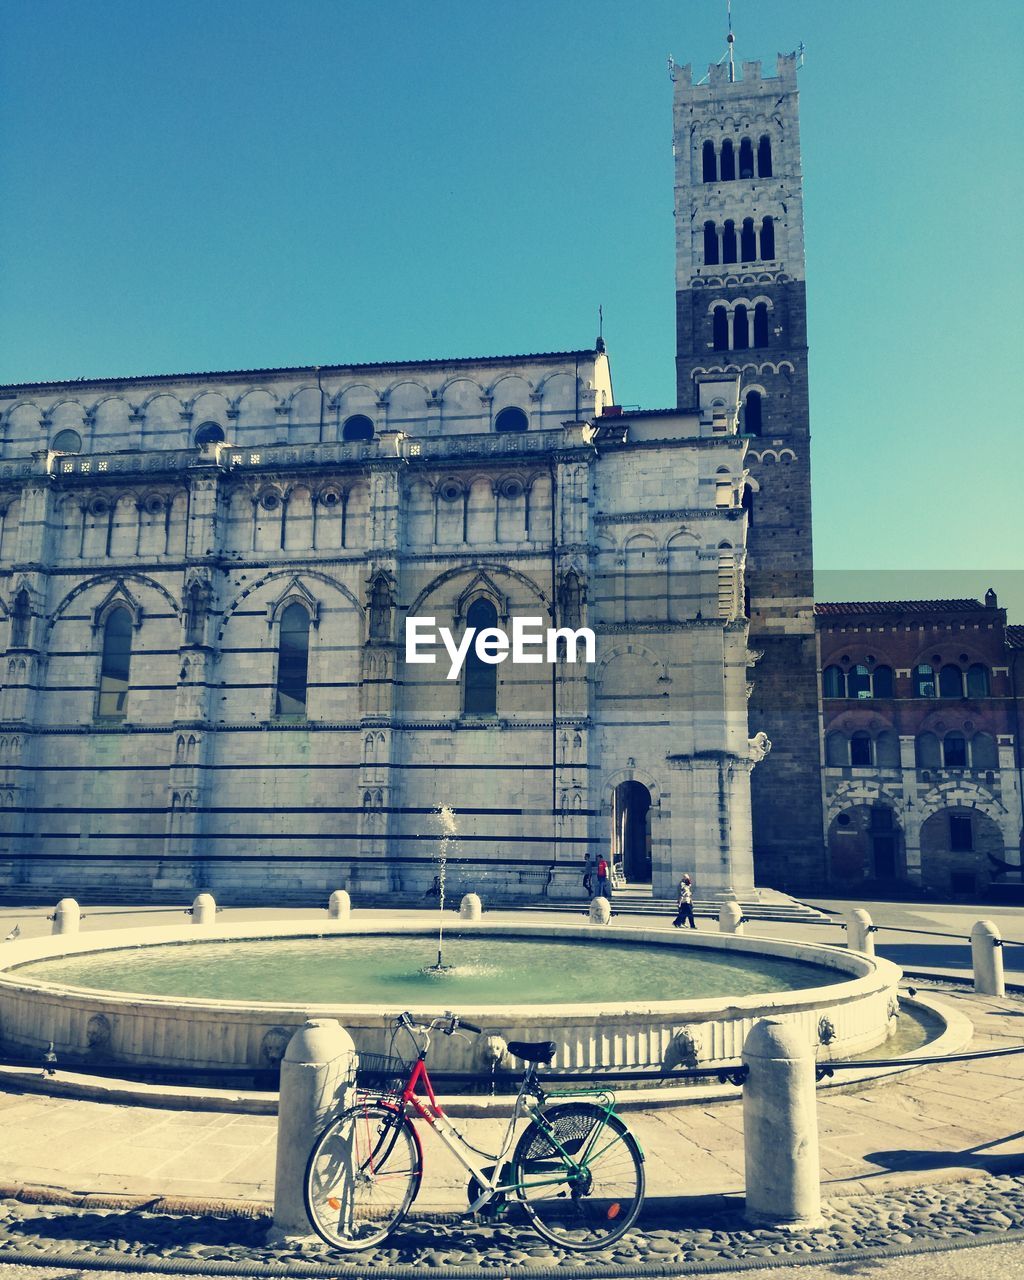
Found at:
[868, 973]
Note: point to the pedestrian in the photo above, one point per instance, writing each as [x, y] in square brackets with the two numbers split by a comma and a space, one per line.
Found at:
[588, 875]
[685, 904]
[604, 884]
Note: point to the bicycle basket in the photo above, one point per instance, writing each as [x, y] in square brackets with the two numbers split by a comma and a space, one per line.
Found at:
[381, 1073]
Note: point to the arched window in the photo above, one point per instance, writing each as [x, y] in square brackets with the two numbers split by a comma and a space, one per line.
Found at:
[480, 695]
[833, 683]
[984, 752]
[951, 682]
[740, 328]
[511, 419]
[954, 751]
[67, 442]
[729, 241]
[926, 751]
[115, 664]
[860, 750]
[887, 750]
[21, 620]
[882, 682]
[357, 428]
[767, 239]
[720, 328]
[764, 156]
[761, 324]
[837, 752]
[709, 162]
[209, 433]
[746, 158]
[858, 682]
[977, 681]
[710, 244]
[752, 414]
[924, 681]
[728, 161]
[748, 241]
[292, 662]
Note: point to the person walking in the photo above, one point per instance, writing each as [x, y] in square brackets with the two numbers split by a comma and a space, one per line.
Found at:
[588, 875]
[604, 884]
[684, 912]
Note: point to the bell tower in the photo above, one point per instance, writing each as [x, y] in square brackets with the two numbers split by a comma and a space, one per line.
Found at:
[741, 308]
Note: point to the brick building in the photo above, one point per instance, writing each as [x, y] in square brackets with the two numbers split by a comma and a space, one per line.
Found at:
[921, 743]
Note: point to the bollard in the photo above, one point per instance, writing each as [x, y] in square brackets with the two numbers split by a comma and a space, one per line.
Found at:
[67, 916]
[987, 959]
[204, 909]
[339, 905]
[600, 911]
[860, 932]
[317, 1075]
[730, 917]
[470, 908]
[780, 1128]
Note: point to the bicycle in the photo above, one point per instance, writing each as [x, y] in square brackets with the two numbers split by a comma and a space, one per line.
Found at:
[576, 1170]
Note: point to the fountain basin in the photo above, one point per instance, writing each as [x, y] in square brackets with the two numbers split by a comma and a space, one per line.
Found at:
[595, 1030]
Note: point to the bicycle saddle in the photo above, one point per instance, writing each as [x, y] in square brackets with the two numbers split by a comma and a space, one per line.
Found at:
[533, 1051]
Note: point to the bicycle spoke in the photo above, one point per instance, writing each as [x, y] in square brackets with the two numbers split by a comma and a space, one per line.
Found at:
[362, 1176]
[577, 1193]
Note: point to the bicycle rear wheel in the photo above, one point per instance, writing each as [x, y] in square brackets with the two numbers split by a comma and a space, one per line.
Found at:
[363, 1174]
[580, 1176]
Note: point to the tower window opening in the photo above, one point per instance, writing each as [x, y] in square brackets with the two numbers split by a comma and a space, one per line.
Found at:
[740, 328]
[767, 239]
[729, 241]
[748, 241]
[761, 324]
[746, 158]
[764, 156]
[752, 413]
[710, 244]
[720, 329]
[728, 161]
[709, 162]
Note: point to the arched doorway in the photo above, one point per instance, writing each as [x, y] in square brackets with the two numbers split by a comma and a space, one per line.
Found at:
[631, 831]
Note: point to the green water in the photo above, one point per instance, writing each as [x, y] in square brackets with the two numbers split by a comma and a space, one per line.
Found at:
[388, 971]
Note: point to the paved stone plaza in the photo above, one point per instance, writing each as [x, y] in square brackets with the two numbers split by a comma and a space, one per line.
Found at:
[908, 1161]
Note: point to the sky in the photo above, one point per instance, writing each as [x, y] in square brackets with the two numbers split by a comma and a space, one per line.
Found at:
[231, 184]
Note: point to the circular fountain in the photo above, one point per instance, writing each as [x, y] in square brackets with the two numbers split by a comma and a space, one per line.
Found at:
[609, 997]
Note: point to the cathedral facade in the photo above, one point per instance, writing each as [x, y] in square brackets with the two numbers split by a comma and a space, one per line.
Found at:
[204, 588]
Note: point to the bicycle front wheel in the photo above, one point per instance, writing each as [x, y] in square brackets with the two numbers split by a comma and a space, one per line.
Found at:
[363, 1174]
[579, 1174]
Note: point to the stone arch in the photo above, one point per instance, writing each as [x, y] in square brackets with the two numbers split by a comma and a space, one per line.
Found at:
[483, 572]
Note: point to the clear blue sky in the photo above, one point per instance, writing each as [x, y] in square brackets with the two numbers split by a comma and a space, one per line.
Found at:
[219, 184]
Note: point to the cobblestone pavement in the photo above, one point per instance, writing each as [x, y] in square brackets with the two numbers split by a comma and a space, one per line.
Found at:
[986, 1209]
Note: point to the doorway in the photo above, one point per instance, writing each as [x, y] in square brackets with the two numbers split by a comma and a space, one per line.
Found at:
[631, 831]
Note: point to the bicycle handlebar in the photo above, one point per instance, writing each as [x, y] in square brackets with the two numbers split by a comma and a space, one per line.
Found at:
[454, 1023]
